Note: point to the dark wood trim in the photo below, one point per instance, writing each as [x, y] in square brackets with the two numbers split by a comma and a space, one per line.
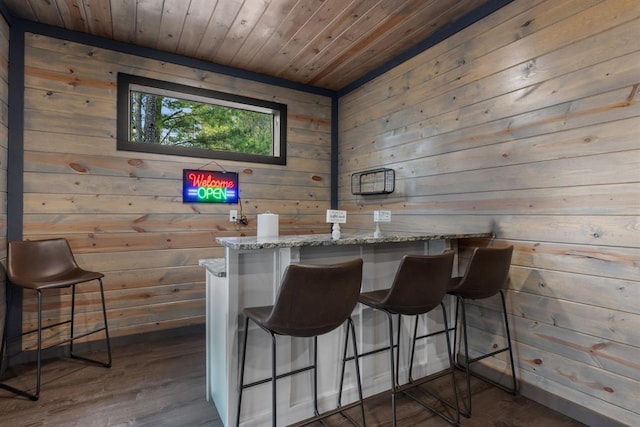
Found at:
[4, 11]
[15, 169]
[334, 152]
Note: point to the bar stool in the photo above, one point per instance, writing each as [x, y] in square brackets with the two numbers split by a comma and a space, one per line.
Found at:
[312, 300]
[419, 286]
[39, 265]
[485, 277]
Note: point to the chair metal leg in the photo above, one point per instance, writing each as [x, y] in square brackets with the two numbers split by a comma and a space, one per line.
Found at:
[39, 356]
[314, 366]
[456, 342]
[468, 361]
[351, 329]
[273, 379]
[398, 349]
[73, 337]
[467, 411]
[356, 361]
[73, 312]
[394, 384]
[35, 396]
[106, 325]
[455, 420]
[242, 363]
[315, 376]
[413, 347]
[506, 325]
[344, 363]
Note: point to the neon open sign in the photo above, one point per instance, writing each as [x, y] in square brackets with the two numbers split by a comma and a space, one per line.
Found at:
[199, 186]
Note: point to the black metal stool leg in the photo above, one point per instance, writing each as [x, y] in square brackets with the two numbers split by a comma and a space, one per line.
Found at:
[456, 338]
[36, 396]
[506, 325]
[456, 420]
[357, 364]
[315, 376]
[273, 379]
[413, 347]
[73, 337]
[73, 316]
[106, 326]
[467, 411]
[242, 363]
[12, 389]
[394, 384]
[344, 362]
[351, 329]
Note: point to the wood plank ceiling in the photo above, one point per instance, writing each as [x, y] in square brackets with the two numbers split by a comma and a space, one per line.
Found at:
[323, 43]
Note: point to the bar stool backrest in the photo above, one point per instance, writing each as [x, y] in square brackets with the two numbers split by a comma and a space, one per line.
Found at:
[486, 274]
[41, 263]
[420, 283]
[315, 299]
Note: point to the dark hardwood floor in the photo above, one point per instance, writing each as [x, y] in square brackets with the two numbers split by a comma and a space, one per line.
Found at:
[162, 383]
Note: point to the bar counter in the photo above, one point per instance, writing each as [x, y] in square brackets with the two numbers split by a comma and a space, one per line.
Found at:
[250, 274]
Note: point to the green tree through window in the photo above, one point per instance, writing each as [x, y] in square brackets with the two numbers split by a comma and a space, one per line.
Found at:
[197, 122]
[171, 121]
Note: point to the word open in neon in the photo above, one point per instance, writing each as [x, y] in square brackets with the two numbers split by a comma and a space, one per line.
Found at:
[201, 186]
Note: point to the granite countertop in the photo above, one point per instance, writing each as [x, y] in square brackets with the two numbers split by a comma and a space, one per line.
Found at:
[249, 243]
[217, 266]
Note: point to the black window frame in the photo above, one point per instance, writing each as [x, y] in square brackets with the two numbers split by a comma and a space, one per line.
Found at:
[125, 81]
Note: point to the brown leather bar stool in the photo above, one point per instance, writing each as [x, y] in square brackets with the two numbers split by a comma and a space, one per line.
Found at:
[312, 300]
[38, 265]
[419, 286]
[485, 277]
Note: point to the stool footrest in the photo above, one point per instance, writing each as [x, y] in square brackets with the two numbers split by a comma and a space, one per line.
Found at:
[44, 328]
[23, 393]
[86, 359]
[370, 352]
[338, 410]
[484, 356]
[66, 340]
[487, 379]
[283, 375]
[450, 420]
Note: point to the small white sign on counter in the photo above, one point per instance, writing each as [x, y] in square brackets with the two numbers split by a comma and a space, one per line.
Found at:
[336, 216]
[381, 216]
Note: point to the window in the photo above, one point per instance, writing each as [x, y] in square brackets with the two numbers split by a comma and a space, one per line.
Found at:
[161, 117]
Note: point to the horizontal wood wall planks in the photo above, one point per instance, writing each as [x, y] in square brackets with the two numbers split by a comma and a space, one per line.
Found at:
[525, 123]
[122, 212]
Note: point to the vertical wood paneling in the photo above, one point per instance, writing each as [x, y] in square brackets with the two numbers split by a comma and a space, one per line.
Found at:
[525, 123]
[122, 211]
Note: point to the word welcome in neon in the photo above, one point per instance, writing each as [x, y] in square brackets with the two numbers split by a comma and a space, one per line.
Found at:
[200, 186]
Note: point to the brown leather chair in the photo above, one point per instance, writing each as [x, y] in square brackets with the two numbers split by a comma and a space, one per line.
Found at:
[486, 275]
[419, 286]
[312, 300]
[38, 265]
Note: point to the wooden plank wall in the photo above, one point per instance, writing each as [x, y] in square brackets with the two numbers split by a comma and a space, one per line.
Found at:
[526, 124]
[4, 97]
[122, 211]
